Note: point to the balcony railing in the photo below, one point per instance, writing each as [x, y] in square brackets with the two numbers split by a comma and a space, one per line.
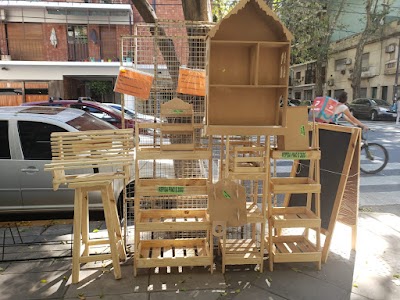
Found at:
[77, 50]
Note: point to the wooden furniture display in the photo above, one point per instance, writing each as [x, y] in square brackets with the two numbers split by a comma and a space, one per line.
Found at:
[172, 227]
[339, 180]
[177, 125]
[247, 162]
[90, 161]
[247, 72]
[294, 247]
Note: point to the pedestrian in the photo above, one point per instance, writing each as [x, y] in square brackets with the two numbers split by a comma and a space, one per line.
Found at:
[398, 110]
[342, 110]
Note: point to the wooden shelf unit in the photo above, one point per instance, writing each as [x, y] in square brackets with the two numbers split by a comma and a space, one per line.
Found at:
[173, 253]
[240, 87]
[247, 160]
[295, 248]
[172, 226]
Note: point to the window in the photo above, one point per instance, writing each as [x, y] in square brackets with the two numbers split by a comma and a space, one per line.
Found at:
[4, 143]
[35, 139]
[308, 94]
[340, 64]
[384, 93]
[363, 92]
[298, 75]
[297, 95]
[337, 93]
[365, 63]
[374, 92]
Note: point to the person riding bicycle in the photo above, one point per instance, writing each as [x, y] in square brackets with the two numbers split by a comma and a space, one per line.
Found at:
[343, 110]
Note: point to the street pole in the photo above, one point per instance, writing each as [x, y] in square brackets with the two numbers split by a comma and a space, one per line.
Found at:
[396, 79]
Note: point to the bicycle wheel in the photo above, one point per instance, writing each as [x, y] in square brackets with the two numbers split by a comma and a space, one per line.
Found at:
[373, 158]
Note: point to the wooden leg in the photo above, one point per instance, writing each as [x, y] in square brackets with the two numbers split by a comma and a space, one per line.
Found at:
[76, 251]
[85, 222]
[115, 223]
[271, 246]
[111, 232]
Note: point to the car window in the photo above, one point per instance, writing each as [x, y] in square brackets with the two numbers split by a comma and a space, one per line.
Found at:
[364, 101]
[379, 102]
[358, 101]
[4, 143]
[35, 139]
[89, 122]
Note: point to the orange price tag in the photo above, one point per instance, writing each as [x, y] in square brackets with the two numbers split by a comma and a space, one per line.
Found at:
[192, 82]
[134, 83]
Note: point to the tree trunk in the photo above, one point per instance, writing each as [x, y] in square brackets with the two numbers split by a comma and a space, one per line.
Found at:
[319, 91]
[166, 45]
[356, 76]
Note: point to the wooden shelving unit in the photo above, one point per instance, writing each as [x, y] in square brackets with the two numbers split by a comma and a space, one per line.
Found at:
[248, 161]
[296, 247]
[172, 227]
[247, 72]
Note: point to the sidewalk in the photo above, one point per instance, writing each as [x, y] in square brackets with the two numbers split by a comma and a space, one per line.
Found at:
[373, 272]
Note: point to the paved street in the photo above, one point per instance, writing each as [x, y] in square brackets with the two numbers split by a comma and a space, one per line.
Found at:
[383, 188]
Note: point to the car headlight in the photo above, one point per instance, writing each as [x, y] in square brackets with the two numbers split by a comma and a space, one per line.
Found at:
[382, 109]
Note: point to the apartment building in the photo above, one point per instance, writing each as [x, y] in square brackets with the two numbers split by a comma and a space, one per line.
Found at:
[379, 64]
[56, 48]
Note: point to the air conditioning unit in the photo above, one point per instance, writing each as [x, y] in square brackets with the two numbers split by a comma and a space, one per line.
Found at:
[2, 15]
[348, 61]
[390, 48]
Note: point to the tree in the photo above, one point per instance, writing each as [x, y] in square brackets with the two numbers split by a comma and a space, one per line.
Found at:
[101, 88]
[312, 24]
[199, 10]
[373, 22]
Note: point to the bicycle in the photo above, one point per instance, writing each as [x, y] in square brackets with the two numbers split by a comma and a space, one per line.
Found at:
[373, 157]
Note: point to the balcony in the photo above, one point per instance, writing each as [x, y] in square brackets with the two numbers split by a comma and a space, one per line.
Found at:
[76, 50]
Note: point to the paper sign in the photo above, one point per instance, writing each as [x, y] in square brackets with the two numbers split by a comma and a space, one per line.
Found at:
[134, 83]
[177, 190]
[192, 82]
[294, 155]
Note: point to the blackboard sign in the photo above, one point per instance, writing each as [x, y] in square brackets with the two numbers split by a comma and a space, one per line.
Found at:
[337, 145]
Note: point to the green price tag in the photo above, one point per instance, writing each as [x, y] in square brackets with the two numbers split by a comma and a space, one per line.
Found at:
[171, 190]
[226, 195]
[178, 111]
[302, 130]
[294, 155]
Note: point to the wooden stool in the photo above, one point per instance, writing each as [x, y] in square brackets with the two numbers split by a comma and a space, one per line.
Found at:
[81, 227]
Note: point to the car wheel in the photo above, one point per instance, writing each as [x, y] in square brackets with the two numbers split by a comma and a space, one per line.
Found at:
[374, 115]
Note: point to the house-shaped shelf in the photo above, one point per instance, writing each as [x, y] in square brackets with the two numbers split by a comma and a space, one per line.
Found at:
[248, 69]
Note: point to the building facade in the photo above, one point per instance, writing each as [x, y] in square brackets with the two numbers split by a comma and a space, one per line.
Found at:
[57, 48]
[379, 64]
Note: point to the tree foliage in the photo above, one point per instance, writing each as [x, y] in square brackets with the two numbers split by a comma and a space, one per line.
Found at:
[312, 23]
[101, 88]
[374, 17]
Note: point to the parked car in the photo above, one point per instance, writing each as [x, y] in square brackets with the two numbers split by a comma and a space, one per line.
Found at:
[25, 149]
[133, 114]
[371, 108]
[99, 110]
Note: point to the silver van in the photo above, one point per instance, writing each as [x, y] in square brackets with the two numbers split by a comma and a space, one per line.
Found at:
[25, 149]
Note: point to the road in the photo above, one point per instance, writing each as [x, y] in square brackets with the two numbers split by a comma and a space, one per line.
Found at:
[383, 188]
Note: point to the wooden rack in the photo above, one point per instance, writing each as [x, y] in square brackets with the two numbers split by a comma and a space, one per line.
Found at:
[296, 247]
[187, 219]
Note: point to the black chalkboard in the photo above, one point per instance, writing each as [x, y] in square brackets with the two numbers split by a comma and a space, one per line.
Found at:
[334, 146]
